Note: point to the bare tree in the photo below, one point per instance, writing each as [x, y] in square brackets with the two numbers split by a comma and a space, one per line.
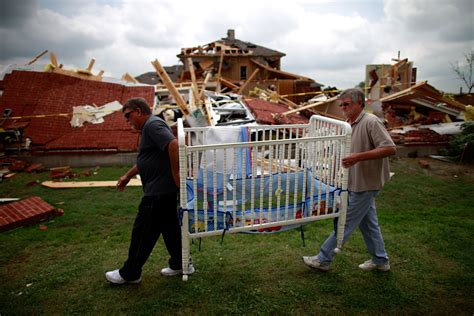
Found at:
[465, 75]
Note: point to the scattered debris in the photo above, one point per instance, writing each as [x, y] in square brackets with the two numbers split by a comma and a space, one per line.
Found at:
[424, 164]
[93, 113]
[9, 175]
[60, 172]
[35, 167]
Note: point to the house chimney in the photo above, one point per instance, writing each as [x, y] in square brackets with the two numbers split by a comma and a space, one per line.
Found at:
[231, 34]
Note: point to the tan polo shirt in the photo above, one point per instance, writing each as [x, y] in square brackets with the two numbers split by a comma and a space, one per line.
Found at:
[368, 132]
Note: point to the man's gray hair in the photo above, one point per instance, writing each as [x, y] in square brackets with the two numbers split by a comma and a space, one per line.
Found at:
[355, 94]
[137, 103]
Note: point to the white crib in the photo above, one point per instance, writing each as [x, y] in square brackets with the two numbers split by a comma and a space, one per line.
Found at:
[261, 178]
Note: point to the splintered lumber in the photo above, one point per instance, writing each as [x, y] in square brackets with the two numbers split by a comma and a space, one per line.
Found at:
[309, 106]
[206, 80]
[54, 60]
[91, 64]
[37, 57]
[194, 87]
[77, 74]
[241, 89]
[127, 77]
[86, 184]
[169, 84]
[221, 60]
[207, 107]
[228, 84]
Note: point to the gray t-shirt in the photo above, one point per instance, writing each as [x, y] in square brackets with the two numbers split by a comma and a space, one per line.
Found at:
[368, 133]
[153, 160]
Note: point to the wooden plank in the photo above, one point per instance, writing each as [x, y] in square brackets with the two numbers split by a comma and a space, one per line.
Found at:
[194, 87]
[4, 200]
[91, 64]
[220, 64]
[76, 74]
[170, 85]
[228, 84]
[221, 60]
[309, 106]
[206, 80]
[87, 184]
[54, 60]
[37, 57]
[127, 77]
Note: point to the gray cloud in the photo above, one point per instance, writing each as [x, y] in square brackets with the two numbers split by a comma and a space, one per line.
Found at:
[15, 13]
[330, 42]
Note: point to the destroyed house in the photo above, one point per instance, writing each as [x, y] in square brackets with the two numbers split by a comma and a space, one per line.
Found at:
[238, 66]
[236, 63]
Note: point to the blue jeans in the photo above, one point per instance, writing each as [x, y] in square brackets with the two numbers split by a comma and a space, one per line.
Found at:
[360, 212]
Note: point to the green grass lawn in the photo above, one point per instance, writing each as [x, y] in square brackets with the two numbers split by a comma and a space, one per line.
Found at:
[426, 217]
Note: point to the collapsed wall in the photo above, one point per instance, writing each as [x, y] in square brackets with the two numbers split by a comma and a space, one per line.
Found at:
[37, 108]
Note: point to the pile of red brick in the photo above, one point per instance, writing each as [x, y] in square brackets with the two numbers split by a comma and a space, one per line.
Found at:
[26, 212]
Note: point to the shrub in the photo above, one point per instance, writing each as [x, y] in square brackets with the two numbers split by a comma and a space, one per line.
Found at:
[461, 145]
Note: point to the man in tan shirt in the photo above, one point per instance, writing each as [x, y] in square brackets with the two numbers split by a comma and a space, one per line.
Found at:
[368, 171]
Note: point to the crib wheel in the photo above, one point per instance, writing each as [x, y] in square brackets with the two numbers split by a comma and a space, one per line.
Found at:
[185, 277]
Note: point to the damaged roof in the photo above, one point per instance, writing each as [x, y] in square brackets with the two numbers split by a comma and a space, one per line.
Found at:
[425, 95]
[231, 45]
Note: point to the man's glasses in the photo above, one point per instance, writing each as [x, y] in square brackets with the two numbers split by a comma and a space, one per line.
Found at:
[127, 115]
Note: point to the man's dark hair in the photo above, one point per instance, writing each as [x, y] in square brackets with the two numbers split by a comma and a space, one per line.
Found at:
[137, 103]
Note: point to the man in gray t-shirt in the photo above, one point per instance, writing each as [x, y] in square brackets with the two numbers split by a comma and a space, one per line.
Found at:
[158, 166]
[368, 165]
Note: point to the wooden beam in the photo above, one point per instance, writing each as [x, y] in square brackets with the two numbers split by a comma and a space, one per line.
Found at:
[170, 85]
[309, 106]
[227, 83]
[127, 77]
[221, 60]
[76, 74]
[86, 184]
[220, 64]
[206, 80]
[91, 64]
[241, 89]
[37, 57]
[54, 60]
[194, 87]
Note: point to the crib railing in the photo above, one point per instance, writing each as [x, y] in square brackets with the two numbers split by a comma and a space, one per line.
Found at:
[261, 179]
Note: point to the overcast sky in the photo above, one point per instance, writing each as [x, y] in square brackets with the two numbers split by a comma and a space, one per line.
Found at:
[328, 41]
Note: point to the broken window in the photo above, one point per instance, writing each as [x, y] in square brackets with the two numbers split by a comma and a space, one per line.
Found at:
[243, 72]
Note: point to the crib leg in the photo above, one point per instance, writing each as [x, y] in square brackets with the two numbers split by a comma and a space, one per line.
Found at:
[302, 235]
[185, 246]
[341, 222]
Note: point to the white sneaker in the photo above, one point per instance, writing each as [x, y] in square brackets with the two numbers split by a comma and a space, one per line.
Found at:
[369, 265]
[115, 278]
[314, 263]
[170, 272]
